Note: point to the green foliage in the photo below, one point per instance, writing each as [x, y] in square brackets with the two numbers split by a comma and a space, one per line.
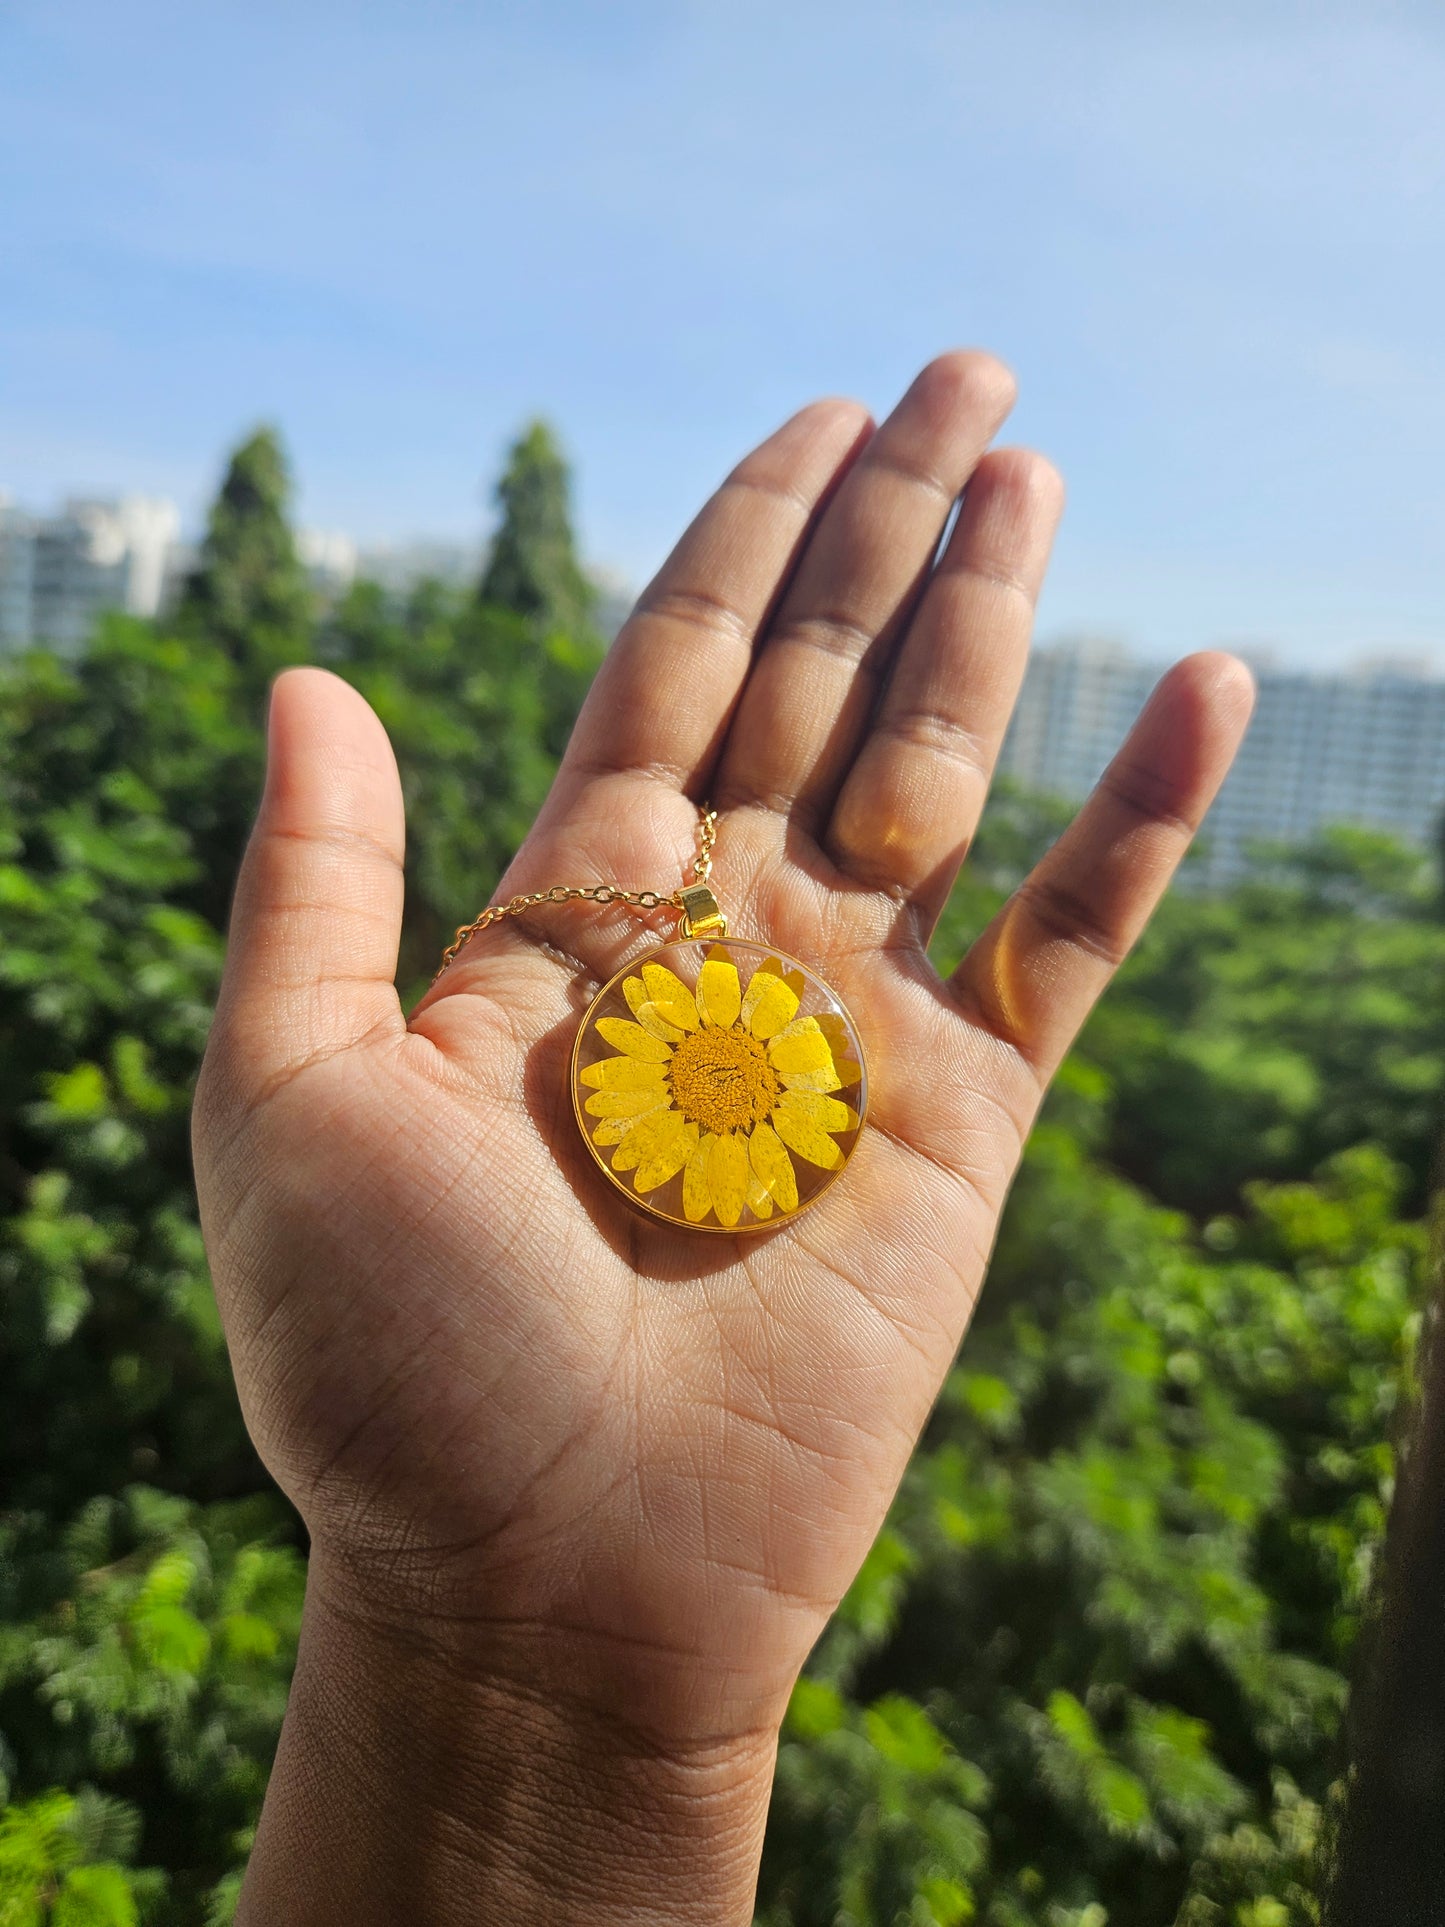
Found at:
[55, 1864]
[875, 1819]
[150, 1578]
[478, 703]
[533, 568]
[1093, 1669]
[1258, 1034]
[1262, 1873]
[1137, 1539]
[249, 593]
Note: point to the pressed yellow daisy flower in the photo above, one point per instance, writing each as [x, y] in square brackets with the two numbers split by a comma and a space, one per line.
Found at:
[724, 1083]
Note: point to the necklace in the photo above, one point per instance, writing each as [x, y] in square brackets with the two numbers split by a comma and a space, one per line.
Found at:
[719, 1085]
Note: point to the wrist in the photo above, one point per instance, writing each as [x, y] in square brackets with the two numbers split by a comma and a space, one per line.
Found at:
[419, 1780]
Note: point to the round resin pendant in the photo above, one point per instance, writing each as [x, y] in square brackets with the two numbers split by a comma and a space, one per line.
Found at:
[719, 1085]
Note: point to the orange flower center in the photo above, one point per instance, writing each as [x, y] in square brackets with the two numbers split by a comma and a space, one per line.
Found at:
[722, 1080]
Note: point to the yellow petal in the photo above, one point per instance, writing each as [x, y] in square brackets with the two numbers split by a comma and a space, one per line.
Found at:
[622, 1074]
[773, 1167]
[612, 1130]
[635, 991]
[801, 1027]
[760, 1201]
[806, 1139]
[626, 1103]
[825, 1078]
[769, 1004]
[667, 1161]
[634, 1040]
[648, 1139]
[828, 1113]
[719, 992]
[727, 1176]
[840, 1042]
[804, 1051]
[670, 996]
[696, 1197]
[792, 978]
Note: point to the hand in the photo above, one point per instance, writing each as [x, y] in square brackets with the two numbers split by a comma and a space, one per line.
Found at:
[583, 1489]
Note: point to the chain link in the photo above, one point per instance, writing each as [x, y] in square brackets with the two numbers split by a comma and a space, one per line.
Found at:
[603, 893]
[706, 838]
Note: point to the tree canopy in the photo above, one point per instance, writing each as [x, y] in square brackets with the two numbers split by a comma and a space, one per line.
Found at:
[532, 568]
[1093, 1670]
[248, 592]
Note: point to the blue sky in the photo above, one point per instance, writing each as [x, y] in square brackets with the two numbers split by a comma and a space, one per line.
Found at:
[1209, 238]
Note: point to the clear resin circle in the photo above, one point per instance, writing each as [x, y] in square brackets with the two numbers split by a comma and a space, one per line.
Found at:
[719, 1085]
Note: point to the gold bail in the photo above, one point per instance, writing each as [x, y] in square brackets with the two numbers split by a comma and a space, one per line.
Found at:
[701, 916]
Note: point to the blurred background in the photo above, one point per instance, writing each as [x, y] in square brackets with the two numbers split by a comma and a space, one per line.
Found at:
[406, 340]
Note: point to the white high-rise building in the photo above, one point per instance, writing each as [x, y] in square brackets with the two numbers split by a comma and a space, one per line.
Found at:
[17, 577]
[329, 559]
[1364, 747]
[59, 573]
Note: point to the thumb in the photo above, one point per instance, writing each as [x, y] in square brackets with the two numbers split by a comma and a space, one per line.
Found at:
[317, 915]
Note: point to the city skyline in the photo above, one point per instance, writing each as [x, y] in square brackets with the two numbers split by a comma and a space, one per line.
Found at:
[64, 565]
[1363, 745]
[1197, 238]
[334, 558]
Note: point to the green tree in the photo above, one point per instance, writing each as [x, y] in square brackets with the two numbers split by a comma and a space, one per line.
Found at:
[150, 1577]
[149, 1582]
[1095, 1664]
[533, 568]
[478, 702]
[57, 1864]
[1124, 1574]
[1259, 1033]
[249, 591]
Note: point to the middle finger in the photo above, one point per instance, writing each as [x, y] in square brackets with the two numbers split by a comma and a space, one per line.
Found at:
[811, 692]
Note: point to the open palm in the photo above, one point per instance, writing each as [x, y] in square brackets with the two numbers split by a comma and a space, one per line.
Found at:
[646, 1463]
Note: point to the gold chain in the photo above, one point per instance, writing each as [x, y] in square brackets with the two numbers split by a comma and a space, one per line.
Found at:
[689, 901]
[706, 838]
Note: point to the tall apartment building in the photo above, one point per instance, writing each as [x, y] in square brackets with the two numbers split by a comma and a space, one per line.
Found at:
[1364, 747]
[58, 573]
[17, 577]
